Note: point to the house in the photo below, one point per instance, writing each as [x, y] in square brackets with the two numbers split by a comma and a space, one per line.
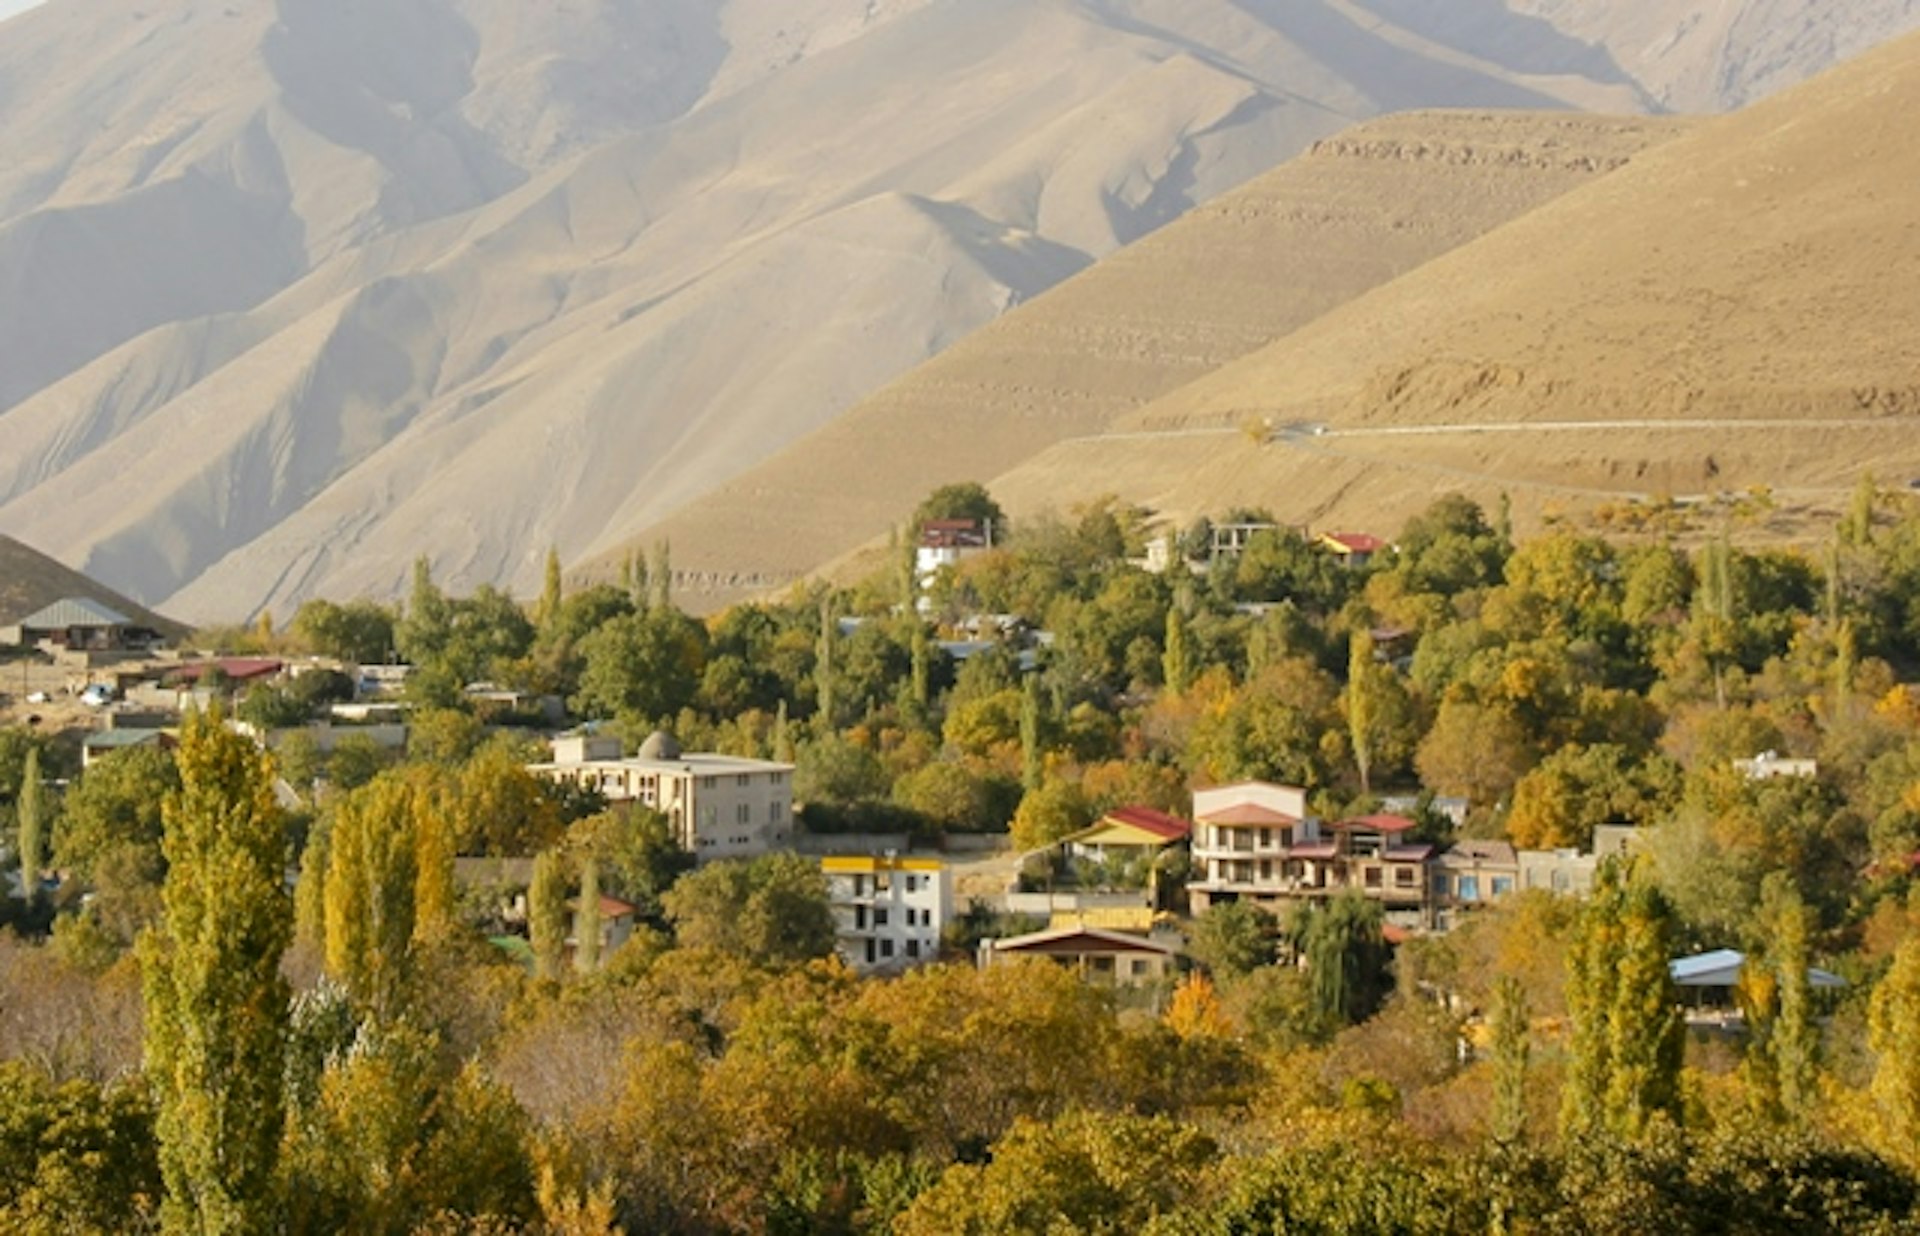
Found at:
[238, 671]
[888, 912]
[1256, 842]
[1116, 958]
[79, 624]
[1243, 836]
[617, 920]
[102, 743]
[1354, 549]
[1708, 983]
[718, 806]
[945, 543]
[1129, 832]
[1469, 874]
[1770, 764]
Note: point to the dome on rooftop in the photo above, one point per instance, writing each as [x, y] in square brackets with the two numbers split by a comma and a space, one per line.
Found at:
[660, 745]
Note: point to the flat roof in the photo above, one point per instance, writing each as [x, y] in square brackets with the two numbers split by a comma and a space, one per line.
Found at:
[698, 764]
[861, 864]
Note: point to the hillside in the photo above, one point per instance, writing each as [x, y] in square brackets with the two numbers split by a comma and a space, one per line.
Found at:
[30, 581]
[1354, 212]
[1733, 309]
[316, 287]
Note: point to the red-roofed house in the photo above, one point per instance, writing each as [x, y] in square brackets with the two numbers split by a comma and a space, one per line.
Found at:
[1257, 842]
[1354, 549]
[1119, 958]
[1131, 831]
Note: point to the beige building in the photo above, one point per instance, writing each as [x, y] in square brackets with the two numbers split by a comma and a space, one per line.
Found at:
[888, 912]
[1114, 958]
[719, 806]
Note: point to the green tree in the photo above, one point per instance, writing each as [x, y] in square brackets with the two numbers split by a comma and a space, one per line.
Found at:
[961, 500]
[1347, 955]
[1055, 810]
[547, 914]
[31, 811]
[1511, 1041]
[1360, 705]
[1795, 1037]
[1234, 938]
[1628, 1036]
[550, 594]
[110, 836]
[216, 1002]
[1176, 662]
[772, 910]
[641, 666]
[1894, 1034]
[372, 879]
[1031, 763]
[586, 917]
[360, 632]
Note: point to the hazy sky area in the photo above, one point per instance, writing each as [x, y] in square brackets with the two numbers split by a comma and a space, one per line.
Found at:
[9, 7]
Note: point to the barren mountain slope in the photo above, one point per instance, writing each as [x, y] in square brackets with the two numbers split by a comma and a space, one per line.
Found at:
[1357, 210]
[30, 581]
[315, 286]
[1736, 308]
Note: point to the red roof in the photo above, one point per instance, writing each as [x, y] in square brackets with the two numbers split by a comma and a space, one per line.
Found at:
[1408, 853]
[238, 669]
[1394, 934]
[1357, 542]
[1248, 813]
[1375, 824]
[1319, 849]
[1147, 820]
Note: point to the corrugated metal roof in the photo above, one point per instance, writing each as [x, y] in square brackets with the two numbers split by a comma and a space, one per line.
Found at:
[75, 612]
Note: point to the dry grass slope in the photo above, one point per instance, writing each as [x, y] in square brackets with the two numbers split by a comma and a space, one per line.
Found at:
[1354, 212]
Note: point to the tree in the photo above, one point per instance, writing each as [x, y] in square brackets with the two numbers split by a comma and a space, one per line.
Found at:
[110, 836]
[586, 918]
[772, 910]
[360, 632]
[547, 913]
[1627, 1034]
[1795, 1038]
[550, 594]
[372, 880]
[1176, 663]
[962, 500]
[1360, 705]
[641, 666]
[216, 1002]
[31, 811]
[1560, 801]
[1894, 1034]
[1473, 750]
[1346, 954]
[1055, 810]
[504, 809]
[1031, 765]
[1510, 1051]
[1234, 938]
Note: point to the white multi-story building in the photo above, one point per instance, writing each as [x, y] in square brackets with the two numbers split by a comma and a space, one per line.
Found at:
[719, 806]
[888, 912]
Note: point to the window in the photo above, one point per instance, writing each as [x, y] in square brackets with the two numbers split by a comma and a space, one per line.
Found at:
[1404, 877]
[1559, 881]
[1266, 838]
[913, 948]
[1373, 877]
[886, 948]
[743, 814]
[1502, 885]
[708, 783]
[1469, 888]
[743, 779]
[869, 952]
[1286, 838]
[879, 917]
[774, 810]
[1440, 884]
[859, 918]
[776, 778]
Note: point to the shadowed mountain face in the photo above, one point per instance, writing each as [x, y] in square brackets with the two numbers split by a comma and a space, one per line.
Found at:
[311, 288]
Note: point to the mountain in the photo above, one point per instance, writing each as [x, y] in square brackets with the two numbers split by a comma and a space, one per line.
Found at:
[1354, 212]
[317, 286]
[30, 581]
[1732, 311]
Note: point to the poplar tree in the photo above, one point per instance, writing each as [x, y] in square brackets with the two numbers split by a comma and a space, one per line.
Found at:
[216, 1003]
[782, 735]
[586, 918]
[1031, 770]
[823, 665]
[372, 872]
[1893, 1031]
[550, 594]
[1627, 1040]
[31, 810]
[1360, 705]
[1795, 1039]
[1176, 662]
[547, 914]
[661, 576]
[922, 653]
[1511, 1048]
